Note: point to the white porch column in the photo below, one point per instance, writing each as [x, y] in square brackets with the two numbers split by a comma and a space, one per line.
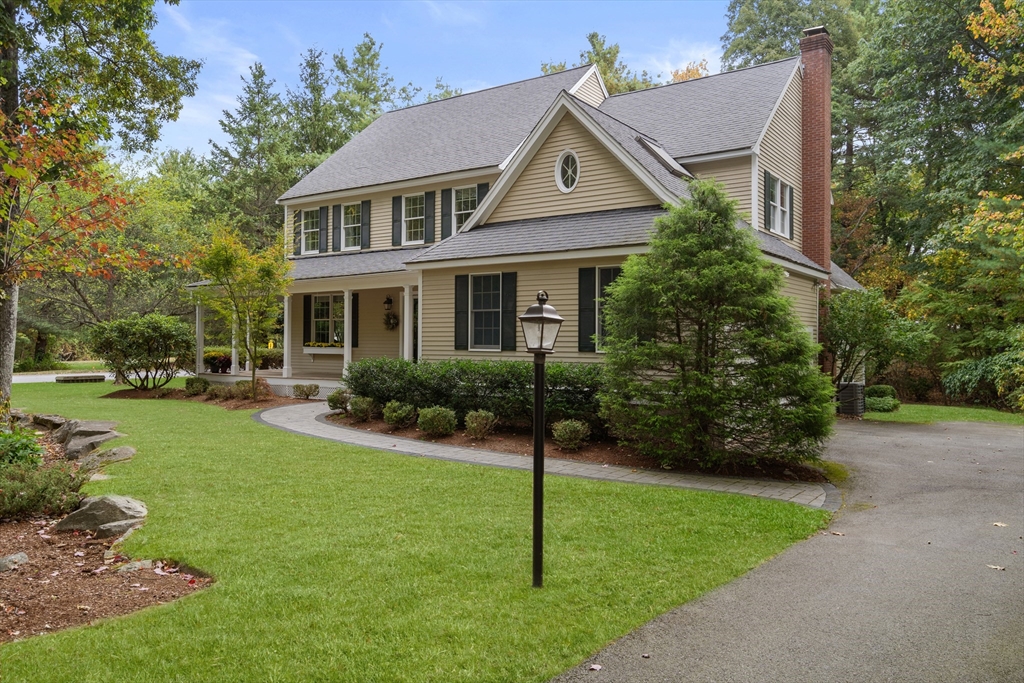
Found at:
[348, 328]
[419, 317]
[234, 346]
[407, 322]
[200, 339]
[286, 369]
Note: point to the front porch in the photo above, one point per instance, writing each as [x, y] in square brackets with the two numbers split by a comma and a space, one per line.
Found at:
[282, 386]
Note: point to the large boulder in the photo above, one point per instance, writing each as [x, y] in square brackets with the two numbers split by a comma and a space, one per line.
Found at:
[97, 511]
[108, 455]
[49, 421]
[75, 429]
[84, 445]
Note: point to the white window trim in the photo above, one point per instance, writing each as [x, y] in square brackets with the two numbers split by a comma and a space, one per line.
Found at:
[358, 225]
[332, 318]
[780, 214]
[405, 230]
[316, 229]
[455, 226]
[558, 171]
[597, 303]
[484, 349]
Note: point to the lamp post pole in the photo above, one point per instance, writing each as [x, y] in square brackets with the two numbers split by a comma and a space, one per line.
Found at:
[538, 469]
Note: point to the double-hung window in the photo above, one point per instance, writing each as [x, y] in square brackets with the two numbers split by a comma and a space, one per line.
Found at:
[352, 225]
[413, 218]
[464, 199]
[328, 319]
[485, 311]
[779, 197]
[310, 231]
[605, 276]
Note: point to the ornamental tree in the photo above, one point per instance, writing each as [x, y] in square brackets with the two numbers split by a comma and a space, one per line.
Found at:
[245, 289]
[705, 359]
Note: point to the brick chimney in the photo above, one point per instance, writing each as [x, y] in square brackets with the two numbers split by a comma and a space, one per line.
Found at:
[816, 138]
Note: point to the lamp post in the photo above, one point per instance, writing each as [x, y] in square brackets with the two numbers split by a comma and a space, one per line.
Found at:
[540, 327]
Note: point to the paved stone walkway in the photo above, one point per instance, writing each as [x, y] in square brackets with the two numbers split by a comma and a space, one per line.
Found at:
[309, 419]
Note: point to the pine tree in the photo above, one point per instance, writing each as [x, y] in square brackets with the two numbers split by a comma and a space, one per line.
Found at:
[365, 88]
[318, 128]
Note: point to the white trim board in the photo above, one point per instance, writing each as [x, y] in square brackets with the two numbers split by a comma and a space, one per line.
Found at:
[425, 182]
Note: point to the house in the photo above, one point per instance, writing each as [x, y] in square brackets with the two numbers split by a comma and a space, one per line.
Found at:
[429, 232]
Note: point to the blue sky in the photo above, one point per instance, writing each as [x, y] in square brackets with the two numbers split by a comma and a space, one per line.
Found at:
[471, 45]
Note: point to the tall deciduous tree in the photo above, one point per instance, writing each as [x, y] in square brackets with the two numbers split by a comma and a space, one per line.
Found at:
[246, 288]
[705, 358]
[617, 76]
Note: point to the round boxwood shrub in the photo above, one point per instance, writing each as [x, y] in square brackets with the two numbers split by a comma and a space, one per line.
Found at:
[243, 389]
[570, 435]
[480, 423]
[219, 392]
[399, 415]
[879, 391]
[306, 390]
[437, 421]
[338, 400]
[876, 404]
[363, 408]
[147, 351]
[194, 386]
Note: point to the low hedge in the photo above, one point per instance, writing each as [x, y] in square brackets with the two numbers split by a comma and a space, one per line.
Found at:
[881, 404]
[504, 388]
[880, 391]
[218, 358]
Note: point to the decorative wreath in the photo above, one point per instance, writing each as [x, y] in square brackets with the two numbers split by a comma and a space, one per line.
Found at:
[391, 320]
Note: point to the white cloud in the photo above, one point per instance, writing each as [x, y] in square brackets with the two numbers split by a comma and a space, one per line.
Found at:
[678, 54]
[454, 13]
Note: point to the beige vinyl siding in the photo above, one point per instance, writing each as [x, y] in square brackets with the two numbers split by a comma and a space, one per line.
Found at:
[804, 293]
[603, 184]
[734, 174]
[590, 91]
[559, 278]
[380, 211]
[780, 155]
[375, 340]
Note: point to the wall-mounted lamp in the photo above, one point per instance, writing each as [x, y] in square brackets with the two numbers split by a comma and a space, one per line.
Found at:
[388, 303]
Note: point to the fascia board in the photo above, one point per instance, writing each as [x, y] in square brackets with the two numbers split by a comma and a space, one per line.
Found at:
[797, 268]
[530, 258]
[342, 282]
[389, 187]
[592, 70]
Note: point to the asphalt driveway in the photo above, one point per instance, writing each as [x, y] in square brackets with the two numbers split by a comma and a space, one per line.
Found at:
[903, 594]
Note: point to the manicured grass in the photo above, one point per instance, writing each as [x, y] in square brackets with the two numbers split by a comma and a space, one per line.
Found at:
[347, 564]
[75, 366]
[921, 413]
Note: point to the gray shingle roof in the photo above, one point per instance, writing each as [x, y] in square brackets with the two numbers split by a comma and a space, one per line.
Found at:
[595, 230]
[843, 280]
[471, 131]
[357, 263]
[716, 113]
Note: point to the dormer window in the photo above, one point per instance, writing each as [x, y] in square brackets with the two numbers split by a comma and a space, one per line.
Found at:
[311, 231]
[567, 171]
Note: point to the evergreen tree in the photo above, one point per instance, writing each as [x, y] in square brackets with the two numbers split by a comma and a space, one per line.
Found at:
[617, 76]
[317, 125]
[705, 359]
[365, 88]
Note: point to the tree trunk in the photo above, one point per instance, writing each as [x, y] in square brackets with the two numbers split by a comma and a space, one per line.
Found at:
[8, 337]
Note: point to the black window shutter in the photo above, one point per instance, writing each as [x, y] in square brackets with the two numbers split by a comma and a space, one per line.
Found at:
[481, 192]
[323, 229]
[336, 228]
[461, 312]
[508, 312]
[307, 318]
[789, 203]
[297, 233]
[446, 214]
[428, 216]
[588, 310]
[364, 226]
[355, 320]
[767, 200]
[396, 221]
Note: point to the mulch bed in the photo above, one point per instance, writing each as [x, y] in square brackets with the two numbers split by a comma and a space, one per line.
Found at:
[605, 452]
[68, 581]
[231, 403]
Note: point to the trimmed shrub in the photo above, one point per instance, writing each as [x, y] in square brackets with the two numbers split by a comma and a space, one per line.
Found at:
[306, 390]
[147, 351]
[20, 447]
[28, 490]
[881, 404]
[398, 414]
[243, 389]
[480, 423]
[363, 408]
[44, 364]
[338, 400]
[570, 435]
[880, 391]
[219, 392]
[437, 421]
[194, 386]
[270, 359]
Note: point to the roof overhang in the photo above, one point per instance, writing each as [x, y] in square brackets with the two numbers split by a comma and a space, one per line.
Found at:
[354, 192]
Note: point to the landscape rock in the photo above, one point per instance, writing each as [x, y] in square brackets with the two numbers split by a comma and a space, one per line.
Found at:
[108, 455]
[114, 529]
[98, 511]
[73, 429]
[11, 561]
[135, 566]
[49, 421]
[84, 445]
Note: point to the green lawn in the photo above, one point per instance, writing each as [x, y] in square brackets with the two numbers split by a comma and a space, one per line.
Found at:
[75, 366]
[921, 413]
[347, 564]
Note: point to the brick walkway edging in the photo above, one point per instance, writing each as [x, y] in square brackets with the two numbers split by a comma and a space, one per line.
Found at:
[310, 419]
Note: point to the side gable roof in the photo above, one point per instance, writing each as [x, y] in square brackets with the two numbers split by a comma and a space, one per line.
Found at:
[473, 131]
[843, 280]
[718, 113]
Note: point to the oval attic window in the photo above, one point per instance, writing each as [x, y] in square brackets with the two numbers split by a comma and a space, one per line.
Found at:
[567, 171]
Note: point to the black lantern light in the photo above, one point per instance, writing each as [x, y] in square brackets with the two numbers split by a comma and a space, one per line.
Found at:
[388, 303]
